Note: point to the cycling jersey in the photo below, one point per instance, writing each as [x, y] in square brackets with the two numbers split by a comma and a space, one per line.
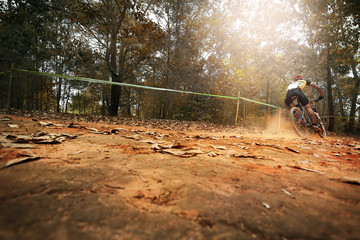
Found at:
[299, 84]
[295, 89]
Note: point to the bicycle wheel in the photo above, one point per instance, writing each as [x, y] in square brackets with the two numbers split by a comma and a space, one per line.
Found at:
[298, 122]
[322, 132]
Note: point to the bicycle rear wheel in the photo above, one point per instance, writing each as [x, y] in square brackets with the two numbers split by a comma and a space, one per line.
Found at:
[298, 122]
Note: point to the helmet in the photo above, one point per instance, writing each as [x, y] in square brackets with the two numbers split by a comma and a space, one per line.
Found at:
[298, 77]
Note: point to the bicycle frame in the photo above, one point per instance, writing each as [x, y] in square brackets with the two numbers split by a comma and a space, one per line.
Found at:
[307, 118]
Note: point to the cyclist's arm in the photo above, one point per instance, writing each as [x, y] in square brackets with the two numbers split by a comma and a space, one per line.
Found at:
[314, 85]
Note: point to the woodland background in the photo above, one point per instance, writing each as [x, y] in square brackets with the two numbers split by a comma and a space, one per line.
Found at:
[226, 47]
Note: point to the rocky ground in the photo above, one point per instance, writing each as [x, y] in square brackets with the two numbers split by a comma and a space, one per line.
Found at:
[73, 179]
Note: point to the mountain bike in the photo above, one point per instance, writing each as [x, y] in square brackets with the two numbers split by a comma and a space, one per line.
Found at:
[301, 121]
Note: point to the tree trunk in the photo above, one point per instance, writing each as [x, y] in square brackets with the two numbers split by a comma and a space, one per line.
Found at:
[18, 94]
[354, 95]
[267, 112]
[58, 95]
[127, 104]
[341, 102]
[37, 92]
[340, 98]
[115, 89]
[41, 93]
[104, 100]
[329, 93]
[112, 60]
[8, 105]
[115, 98]
[27, 94]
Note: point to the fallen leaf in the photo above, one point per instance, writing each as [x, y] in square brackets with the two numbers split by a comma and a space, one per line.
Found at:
[114, 187]
[307, 169]
[96, 131]
[292, 150]
[5, 119]
[147, 141]
[115, 130]
[287, 193]
[178, 144]
[218, 147]
[190, 152]
[212, 154]
[269, 145]
[155, 146]
[349, 180]
[166, 146]
[75, 153]
[244, 155]
[45, 124]
[267, 206]
[26, 153]
[21, 160]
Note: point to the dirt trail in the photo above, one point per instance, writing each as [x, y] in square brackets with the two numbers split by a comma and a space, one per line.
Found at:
[100, 181]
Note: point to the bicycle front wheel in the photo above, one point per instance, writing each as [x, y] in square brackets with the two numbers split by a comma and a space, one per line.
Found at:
[322, 132]
[298, 122]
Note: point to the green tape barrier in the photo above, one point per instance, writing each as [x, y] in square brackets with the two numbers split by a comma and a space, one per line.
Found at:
[340, 117]
[139, 86]
[1, 73]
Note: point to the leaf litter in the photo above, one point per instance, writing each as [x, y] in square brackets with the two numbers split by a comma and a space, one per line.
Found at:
[160, 144]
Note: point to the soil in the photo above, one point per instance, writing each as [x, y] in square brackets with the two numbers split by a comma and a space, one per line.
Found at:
[132, 181]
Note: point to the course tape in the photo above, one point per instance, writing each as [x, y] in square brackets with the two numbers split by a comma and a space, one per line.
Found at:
[338, 117]
[139, 86]
[1, 73]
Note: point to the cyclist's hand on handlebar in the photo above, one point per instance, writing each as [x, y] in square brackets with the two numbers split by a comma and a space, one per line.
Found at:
[319, 98]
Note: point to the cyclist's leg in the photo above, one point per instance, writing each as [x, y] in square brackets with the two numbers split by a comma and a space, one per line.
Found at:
[288, 107]
[315, 126]
[311, 113]
[288, 101]
[306, 103]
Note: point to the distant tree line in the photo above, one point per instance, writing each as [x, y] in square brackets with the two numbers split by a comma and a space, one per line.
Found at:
[251, 48]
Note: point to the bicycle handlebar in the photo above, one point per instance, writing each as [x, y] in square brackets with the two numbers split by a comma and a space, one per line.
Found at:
[312, 101]
[318, 99]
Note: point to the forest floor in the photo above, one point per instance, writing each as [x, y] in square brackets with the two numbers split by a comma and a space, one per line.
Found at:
[66, 178]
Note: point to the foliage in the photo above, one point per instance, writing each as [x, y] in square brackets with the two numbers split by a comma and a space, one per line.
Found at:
[333, 32]
[249, 47]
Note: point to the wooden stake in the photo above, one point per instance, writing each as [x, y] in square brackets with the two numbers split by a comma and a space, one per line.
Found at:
[279, 118]
[237, 109]
[9, 90]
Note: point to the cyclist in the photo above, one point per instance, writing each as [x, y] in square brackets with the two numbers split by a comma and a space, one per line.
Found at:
[295, 89]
